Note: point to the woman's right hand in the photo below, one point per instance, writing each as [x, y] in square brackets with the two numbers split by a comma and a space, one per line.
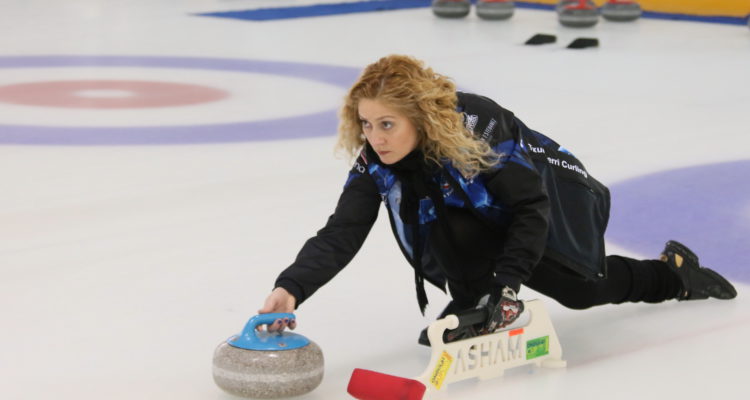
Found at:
[279, 301]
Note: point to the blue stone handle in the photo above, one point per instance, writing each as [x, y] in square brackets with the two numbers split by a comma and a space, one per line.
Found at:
[263, 319]
[250, 340]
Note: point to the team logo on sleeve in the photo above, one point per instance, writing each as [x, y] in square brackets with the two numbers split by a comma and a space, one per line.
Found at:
[470, 121]
[447, 189]
[361, 168]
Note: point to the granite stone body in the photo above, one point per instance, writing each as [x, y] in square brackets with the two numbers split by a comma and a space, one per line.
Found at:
[621, 11]
[451, 9]
[268, 374]
[495, 9]
[570, 14]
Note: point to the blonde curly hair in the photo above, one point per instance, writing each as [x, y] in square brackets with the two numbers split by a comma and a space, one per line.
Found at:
[429, 100]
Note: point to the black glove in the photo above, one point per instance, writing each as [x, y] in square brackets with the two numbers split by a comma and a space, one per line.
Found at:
[503, 308]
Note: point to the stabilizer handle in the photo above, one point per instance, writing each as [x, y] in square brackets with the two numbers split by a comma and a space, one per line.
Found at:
[472, 316]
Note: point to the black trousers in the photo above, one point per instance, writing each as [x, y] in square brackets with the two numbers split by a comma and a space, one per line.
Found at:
[466, 258]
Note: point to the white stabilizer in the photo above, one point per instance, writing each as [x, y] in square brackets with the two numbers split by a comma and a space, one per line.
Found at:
[488, 356]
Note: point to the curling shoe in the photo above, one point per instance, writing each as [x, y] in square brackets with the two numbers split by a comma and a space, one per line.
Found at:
[697, 282]
[451, 335]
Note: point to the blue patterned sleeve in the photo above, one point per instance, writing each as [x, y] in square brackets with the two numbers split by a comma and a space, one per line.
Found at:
[333, 247]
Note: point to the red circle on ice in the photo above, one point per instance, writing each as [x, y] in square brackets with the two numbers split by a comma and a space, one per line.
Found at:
[108, 94]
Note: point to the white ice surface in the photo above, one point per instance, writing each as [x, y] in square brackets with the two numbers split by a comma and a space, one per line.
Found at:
[123, 267]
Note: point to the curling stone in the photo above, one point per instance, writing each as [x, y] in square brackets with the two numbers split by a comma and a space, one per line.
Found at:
[621, 10]
[577, 13]
[451, 8]
[495, 9]
[267, 365]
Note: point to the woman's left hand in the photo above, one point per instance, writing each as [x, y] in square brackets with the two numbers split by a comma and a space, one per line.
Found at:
[503, 307]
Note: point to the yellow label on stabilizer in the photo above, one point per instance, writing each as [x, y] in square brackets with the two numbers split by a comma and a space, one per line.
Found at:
[441, 370]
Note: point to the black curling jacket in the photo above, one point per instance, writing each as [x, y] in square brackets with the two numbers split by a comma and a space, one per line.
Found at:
[539, 199]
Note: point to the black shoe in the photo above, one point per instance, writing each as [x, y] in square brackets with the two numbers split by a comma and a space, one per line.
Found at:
[697, 282]
[449, 335]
